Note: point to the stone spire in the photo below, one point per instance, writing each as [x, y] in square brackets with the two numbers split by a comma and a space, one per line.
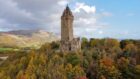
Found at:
[67, 12]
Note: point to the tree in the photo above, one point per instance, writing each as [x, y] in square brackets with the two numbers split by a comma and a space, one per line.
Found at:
[45, 47]
[74, 71]
[125, 70]
[55, 45]
[131, 48]
[21, 75]
[95, 43]
[85, 43]
[123, 43]
[73, 59]
[108, 70]
[137, 71]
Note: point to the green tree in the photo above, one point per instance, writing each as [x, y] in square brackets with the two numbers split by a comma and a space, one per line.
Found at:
[85, 43]
[73, 58]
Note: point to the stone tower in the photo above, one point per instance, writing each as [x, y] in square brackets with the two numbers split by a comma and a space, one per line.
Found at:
[67, 24]
[68, 42]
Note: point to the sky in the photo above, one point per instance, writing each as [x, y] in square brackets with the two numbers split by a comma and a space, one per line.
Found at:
[92, 18]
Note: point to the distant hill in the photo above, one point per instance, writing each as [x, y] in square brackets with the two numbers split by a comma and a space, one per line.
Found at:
[26, 38]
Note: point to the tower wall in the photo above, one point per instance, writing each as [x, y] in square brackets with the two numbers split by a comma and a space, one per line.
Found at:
[66, 27]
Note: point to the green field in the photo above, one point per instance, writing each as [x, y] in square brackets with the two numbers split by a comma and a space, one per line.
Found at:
[8, 50]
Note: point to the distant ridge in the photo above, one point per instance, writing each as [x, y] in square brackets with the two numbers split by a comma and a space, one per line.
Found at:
[26, 38]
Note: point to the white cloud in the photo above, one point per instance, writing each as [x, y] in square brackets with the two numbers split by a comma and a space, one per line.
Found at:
[100, 32]
[86, 21]
[63, 3]
[84, 7]
[30, 14]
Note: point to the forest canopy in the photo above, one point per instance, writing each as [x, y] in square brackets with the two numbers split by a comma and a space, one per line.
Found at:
[98, 59]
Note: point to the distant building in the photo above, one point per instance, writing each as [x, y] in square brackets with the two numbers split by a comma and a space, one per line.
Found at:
[68, 42]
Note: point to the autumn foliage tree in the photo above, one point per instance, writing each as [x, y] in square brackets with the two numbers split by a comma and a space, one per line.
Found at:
[98, 59]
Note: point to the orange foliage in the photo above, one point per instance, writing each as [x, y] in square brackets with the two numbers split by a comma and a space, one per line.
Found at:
[107, 62]
[84, 77]
[22, 77]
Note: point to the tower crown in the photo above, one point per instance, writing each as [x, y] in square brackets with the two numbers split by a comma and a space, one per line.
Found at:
[67, 12]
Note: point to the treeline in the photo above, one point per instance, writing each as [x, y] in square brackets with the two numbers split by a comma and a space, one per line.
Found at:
[98, 59]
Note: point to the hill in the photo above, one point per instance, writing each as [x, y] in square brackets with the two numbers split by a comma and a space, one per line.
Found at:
[26, 38]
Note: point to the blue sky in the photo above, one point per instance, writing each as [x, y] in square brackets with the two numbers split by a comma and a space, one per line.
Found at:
[93, 18]
[124, 21]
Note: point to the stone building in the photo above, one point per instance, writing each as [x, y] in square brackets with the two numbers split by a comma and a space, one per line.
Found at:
[68, 42]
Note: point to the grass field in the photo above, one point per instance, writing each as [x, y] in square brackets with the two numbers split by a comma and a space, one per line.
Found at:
[7, 50]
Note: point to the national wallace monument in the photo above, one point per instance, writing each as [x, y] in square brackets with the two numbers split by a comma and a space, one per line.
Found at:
[68, 42]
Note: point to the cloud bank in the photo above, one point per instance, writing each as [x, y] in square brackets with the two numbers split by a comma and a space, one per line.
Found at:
[45, 14]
